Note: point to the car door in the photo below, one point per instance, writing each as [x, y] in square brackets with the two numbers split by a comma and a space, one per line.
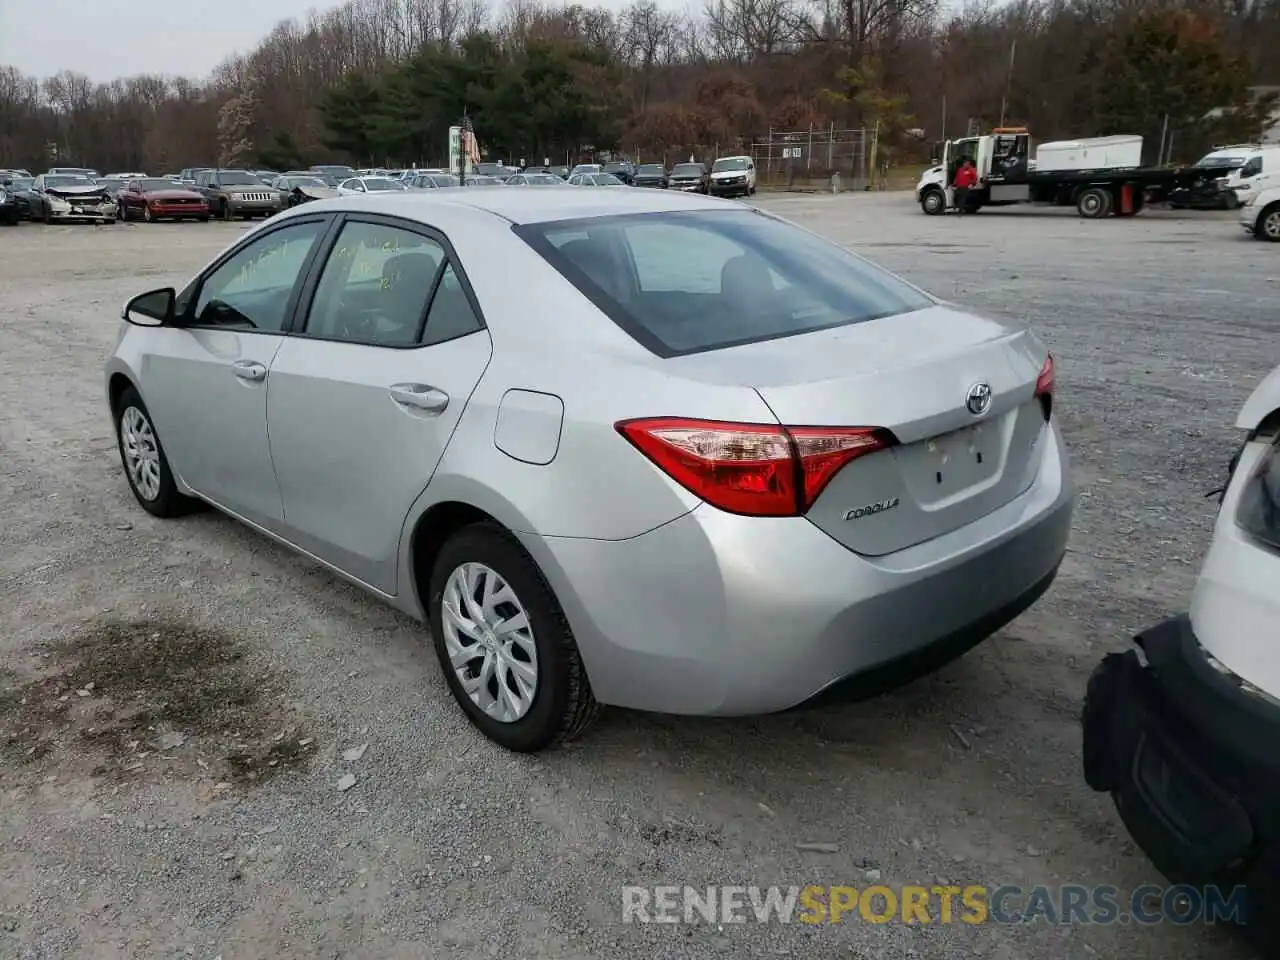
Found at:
[366, 393]
[206, 380]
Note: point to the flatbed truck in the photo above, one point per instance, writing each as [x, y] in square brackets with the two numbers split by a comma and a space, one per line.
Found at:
[1100, 177]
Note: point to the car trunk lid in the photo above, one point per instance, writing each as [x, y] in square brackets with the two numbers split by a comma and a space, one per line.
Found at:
[950, 465]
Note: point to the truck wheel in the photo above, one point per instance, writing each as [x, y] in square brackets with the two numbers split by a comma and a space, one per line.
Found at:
[933, 202]
[1268, 227]
[1094, 203]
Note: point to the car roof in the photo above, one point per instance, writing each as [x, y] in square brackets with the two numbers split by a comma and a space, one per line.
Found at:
[521, 206]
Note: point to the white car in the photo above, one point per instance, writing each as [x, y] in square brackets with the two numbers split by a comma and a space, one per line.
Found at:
[359, 186]
[1182, 728]
[1260, 215]
[733, 177]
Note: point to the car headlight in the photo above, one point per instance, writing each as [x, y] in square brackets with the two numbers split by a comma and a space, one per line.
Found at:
[1258, 513]
[237, 196]
[57, 203]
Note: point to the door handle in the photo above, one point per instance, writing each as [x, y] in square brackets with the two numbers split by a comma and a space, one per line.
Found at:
[420, 396]
[249, 370]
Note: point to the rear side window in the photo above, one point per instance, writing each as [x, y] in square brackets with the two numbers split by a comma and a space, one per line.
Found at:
[688, 282]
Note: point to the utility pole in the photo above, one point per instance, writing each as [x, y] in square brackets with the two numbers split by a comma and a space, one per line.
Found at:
[1008, 80]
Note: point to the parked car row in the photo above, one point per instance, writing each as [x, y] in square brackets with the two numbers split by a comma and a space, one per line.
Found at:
[76, 194]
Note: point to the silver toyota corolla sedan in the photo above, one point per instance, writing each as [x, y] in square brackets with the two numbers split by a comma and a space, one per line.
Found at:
[633, 447]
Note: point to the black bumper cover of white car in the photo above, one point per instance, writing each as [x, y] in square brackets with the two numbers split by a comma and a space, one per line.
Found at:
[1190, 760]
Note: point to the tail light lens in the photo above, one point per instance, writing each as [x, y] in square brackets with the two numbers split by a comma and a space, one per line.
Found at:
[753, 469]
[1044, 386]
[1259, 510]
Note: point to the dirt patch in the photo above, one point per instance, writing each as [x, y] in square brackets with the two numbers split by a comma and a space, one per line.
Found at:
[150, 696]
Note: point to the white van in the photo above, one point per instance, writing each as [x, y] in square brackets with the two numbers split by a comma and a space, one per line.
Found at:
[733, 177]
[1260, 170]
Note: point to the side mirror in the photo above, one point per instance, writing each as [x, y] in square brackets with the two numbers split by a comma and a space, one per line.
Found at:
[152, 309]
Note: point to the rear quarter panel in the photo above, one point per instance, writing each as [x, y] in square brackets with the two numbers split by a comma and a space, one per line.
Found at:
[598, 486]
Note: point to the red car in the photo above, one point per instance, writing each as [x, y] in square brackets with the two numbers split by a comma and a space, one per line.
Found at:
[153, 199]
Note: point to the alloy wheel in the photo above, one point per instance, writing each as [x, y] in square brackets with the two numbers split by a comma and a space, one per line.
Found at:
[141, 452]
[1271, 225]
[490, 643]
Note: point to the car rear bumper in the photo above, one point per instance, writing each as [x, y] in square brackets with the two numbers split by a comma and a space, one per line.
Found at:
[718, 614]
[1190, 761]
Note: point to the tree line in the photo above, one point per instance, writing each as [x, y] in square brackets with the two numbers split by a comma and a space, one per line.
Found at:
[380, 81]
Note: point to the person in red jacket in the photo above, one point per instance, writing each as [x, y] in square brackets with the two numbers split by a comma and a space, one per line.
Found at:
[966, 179]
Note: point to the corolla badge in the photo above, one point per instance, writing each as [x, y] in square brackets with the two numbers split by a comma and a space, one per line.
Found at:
[872, 508]
[978, 400]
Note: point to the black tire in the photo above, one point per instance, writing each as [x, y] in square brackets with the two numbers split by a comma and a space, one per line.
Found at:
[203, 218]
[167, 502]
[933, 202]
[563, 706]
[225, 211]
[47, 212]
[147, 215]
[1094, 203]
[1268, 223]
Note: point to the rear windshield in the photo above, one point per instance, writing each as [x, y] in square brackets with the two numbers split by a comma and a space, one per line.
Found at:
[686, 282]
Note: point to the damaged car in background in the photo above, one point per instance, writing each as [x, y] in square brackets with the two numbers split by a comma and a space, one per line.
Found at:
[66, 197]
[296, 188]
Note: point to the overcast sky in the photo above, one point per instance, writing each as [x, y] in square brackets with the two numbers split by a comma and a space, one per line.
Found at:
[107, 40]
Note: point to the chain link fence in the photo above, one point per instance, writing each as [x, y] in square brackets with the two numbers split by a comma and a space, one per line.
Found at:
[809, 158]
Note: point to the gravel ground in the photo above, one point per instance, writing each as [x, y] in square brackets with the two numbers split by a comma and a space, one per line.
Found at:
[178, 701]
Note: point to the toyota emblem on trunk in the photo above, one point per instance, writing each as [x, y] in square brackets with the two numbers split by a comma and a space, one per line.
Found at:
[978, 399]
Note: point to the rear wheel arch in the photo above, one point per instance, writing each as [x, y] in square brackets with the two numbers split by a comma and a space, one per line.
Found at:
[431, 532]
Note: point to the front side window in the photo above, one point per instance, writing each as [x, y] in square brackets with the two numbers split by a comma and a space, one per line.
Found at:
[1252, 168]
[252, 290]
[375, 286]
[687, 282]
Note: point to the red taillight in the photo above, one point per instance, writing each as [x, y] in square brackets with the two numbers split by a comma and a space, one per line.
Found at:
[1045, 385]
[755, 469]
